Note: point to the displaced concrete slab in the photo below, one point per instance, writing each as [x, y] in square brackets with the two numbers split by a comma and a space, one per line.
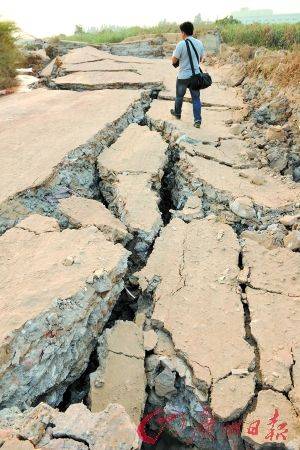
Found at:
[36, 146]
[275, 321]
[257, 428]
[83, 54]
[233, 183]
[120, 377]
[138, 150]
[197, 301]
[130, 177]
[52, 311]
[104, 80]
[231, 152]
[103, 65]
[83, 212]
[276, 270]
[212, 130]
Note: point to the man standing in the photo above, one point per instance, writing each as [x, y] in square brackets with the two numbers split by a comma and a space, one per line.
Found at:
[180, 55]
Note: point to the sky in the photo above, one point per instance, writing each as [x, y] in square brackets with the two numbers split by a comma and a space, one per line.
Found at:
[42, 18]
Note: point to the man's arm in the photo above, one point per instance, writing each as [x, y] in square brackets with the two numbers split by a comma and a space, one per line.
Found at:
[174, 60]
[176, 54]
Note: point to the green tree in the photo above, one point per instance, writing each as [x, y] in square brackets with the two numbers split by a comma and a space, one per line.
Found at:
[197, 19]
[228, 20]
[79, 29]
[10, 56]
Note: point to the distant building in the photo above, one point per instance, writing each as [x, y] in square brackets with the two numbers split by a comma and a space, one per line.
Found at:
[246, 15]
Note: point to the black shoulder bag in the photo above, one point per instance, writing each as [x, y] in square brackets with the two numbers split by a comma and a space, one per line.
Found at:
[200, 80]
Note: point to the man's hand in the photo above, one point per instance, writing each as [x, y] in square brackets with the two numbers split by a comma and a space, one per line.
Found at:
[175, 61]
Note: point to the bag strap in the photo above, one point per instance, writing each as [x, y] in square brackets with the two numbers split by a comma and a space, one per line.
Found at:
[196, 53]
[190, 55]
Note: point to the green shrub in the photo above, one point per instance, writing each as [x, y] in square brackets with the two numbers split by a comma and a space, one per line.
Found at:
[10, 56]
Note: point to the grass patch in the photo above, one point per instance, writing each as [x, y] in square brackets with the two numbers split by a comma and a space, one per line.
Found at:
[10, 56]
[276, 36]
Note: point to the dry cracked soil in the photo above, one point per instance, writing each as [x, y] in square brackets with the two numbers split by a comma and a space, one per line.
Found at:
[150, 271]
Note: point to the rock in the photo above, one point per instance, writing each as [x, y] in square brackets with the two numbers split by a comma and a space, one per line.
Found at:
[150, 340]
[243, 207]
[226, 400]
[106, 430]
[35, 422]
[237, 129]
[275, 112]
[236, 76]
[289, 220]
[292, 240]
[54, 307]
[130, 183]
[83, 212]
[296, 174]
[277, 159]
[275, 133]
[258, 180]
[38, 224]
[270, 405]
[120, 377]
[268, 238]
[164, 383]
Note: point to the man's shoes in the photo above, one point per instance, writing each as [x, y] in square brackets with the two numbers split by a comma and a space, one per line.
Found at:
[197, 123]
[172, 111]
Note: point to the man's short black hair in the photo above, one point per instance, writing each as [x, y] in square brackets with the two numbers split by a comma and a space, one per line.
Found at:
[187, 28]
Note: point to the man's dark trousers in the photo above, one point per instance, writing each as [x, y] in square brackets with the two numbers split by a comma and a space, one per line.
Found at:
[181, 87]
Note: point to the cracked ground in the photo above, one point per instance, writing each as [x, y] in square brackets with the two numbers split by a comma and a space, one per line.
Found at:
[145, 265]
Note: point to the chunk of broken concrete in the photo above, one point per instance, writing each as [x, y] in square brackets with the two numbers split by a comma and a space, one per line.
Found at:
[227, 402]
[273, 419]
[243, 207]
[50, 308]
[150, 340]
[120, 377]
[165, 383]
[83, 212]
[16, 444]
[274, 133]
[289, 220]
[106, 430]
[292, 240]
[39, 224]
